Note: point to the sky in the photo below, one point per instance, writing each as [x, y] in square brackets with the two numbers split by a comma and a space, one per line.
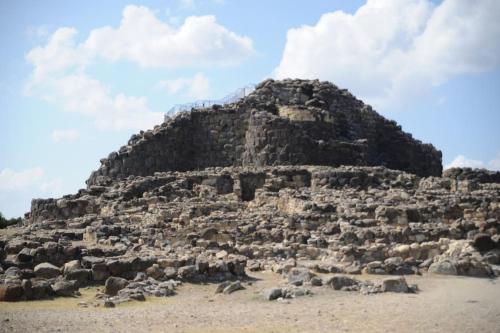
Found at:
[78, 78]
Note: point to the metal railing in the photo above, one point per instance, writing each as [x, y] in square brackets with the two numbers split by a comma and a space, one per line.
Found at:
[207, 103]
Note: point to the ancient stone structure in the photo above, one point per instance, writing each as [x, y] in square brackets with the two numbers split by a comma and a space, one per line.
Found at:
[214, 195]
[290, 122]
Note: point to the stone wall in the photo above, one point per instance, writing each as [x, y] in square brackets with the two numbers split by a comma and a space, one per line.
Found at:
[281, 123]
[195, 140]
[477, 175]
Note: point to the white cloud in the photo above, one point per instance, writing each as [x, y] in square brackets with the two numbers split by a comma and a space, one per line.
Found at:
[30, 179]
[60, 67]
[18, 187]
[59, 55]
[15, 180]
[144, 39]
[390, 50]
[60, 135]
[197, 87]
[83, 94]
[461, 161]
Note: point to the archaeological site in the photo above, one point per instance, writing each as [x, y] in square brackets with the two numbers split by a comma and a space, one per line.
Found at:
[299, 183]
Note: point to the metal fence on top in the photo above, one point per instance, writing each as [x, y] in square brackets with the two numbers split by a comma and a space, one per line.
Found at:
[207, 103]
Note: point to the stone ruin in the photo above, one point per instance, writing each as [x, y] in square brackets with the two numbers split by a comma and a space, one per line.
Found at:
[299, 178]
[291, 122]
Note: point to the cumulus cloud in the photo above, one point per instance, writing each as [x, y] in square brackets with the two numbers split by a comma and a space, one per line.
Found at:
[85, 95]
[59, 55]
[390, 50]
[34, 179]
[18, 187]
[60, 135]
[197, 87]
[144, 39]
[14, 180]
[60, 67]
[461, 161]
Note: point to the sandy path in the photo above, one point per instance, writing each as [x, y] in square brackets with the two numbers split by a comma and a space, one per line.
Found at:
[445, 304]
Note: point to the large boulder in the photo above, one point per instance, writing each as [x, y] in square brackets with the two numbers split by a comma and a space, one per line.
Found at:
[187, 272]
[114, 284]
[11, 292]
[64, 288]
[81, 276]
[71, 266]
[273, 293]
[338, 282]
[232, 287]
[298, 275]
[444, 267]
[117, 267]
[37, 289]
[47, 270]
[397, 285]
[100, 271]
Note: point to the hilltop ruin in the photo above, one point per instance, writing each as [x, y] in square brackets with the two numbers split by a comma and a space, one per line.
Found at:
[299, 178]
[290, 122]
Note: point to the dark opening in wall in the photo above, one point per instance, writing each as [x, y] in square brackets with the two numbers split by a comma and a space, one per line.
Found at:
[249, 182]
[223, 184]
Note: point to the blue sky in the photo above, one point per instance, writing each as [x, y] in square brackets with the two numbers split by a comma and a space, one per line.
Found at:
[78, 78]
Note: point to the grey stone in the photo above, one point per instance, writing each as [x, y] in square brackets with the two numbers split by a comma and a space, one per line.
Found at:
[272, 294]
[170, 272]
[397, 285]
[298, 275]
[187, 272]
[11, 292]
[232, 287]
[316, 281]
[443, 268]
[338, 282]
[100, 271]
[114, 284]
[64, 288]
[81, 276]
[220, 288]
[47, 270]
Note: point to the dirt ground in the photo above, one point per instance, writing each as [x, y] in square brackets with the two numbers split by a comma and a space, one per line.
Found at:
[444, 304]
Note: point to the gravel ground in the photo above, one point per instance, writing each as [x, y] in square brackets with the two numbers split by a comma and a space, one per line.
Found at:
[444, 304]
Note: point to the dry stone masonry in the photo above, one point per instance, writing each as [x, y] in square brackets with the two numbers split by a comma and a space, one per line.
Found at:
[290, 122]
[298, 178]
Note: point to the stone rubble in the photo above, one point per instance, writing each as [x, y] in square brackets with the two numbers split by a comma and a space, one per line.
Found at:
[302, 221]
[150, 220]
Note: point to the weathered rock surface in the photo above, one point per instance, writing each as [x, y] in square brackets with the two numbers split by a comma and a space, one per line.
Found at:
[343, 220]
[280, 123]
[150, 219]
[47, 270]
[114, 284]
